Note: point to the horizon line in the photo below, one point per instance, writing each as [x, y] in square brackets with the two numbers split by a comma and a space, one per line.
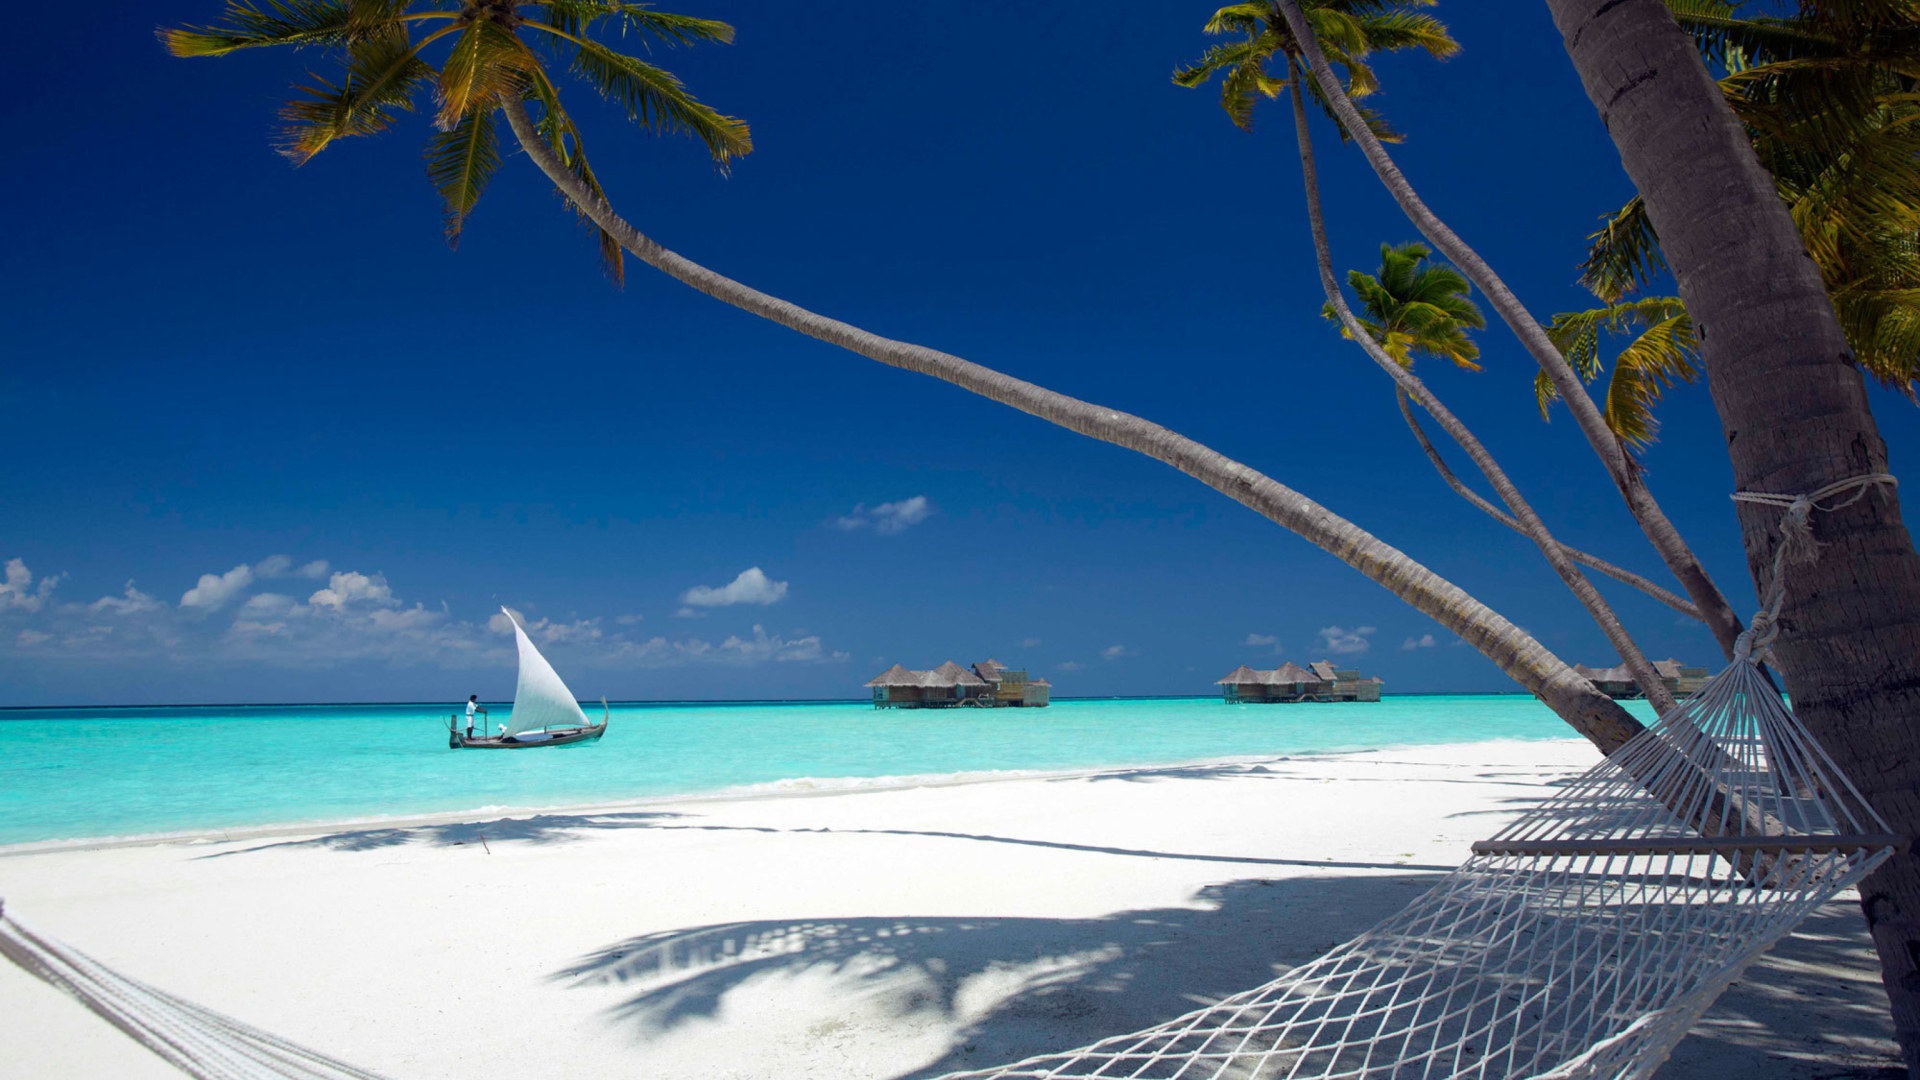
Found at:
[655, 701]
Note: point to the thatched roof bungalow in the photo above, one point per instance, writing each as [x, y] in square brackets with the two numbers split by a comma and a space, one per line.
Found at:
[1617, 682]
[1288, 682]
[1319, 681]
[989, 683]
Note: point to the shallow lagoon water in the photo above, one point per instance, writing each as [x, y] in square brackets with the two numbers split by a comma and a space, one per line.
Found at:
[69, 773]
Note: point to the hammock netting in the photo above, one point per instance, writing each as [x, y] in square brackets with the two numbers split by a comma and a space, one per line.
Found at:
[1581, 942]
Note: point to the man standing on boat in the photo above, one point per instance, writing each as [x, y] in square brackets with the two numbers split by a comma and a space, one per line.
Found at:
[473, 706]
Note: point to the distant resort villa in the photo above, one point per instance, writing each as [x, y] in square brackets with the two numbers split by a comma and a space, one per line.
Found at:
[990, 684]
[1319, 681]
[1617, 682]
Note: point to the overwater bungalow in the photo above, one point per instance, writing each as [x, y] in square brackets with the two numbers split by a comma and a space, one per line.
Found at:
[1319, 681]
[990, 684]
[1617, 682]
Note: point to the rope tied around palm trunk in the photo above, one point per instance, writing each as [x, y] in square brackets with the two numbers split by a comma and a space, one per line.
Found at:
[1797, 545]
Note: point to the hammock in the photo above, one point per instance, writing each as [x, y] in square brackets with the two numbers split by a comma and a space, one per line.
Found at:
[1581, 942]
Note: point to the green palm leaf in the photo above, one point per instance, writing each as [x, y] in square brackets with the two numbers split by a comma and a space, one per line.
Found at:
[276, 22]
[1416, 307]
[657, 101]
[486, 61]
[461, 161]
[383, 73]
[474, 55]
[1662, 353]
[1261, 61]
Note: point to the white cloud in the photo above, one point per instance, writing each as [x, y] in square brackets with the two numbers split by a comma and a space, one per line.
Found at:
[1029, 643]
[1265, 641]
[764, 646]
[214, 590]
[357, 617]
[629, 620]
[1115, 652]
[1424, 641]
[1070, 665]
[18, 592]
[1336, 640]
[689, 613]
[279, 566]
[351, 587]
[131, 601]
[887, 518]
[751, 587]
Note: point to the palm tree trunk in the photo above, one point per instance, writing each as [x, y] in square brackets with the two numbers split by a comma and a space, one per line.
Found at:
[1794, 411]
[1411, 385]
[1594, 715]
[1720, 617]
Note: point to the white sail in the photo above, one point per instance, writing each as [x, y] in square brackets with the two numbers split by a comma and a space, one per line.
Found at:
[541, 699]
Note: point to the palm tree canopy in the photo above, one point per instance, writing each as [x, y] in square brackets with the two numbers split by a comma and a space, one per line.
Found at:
[1828, 100]
[1416, 307]
[1349, 30]
[469, 55]
[1663, 353]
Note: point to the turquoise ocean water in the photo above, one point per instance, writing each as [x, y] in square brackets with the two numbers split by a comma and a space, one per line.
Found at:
[68, 773]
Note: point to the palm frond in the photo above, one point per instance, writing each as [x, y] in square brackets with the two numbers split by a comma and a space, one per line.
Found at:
[563, 137]
[1623, 254]
[486, 61]
[657, 101]
[577, 16]
[383, 73]
[1663, 352]
[461, 161]
[257, 25]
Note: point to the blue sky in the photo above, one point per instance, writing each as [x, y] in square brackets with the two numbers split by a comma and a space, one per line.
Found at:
[213, 360]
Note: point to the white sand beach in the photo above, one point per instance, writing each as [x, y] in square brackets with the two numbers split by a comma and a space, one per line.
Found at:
[882, 933]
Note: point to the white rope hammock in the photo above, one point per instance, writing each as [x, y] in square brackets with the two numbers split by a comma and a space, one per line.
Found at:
[1582, 941]
[1578, 944]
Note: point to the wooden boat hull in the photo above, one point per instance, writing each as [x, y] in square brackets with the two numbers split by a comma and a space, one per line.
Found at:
[458, 741]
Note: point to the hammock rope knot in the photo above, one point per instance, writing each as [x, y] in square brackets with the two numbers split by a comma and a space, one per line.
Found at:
[1797, 545]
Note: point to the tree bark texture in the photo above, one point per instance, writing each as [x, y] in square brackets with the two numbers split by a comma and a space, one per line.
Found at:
[1411, 385]
[1653, 521]
[1794, 412]
[1594, 715]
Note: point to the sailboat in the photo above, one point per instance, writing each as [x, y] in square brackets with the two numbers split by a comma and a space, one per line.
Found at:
[544, 710]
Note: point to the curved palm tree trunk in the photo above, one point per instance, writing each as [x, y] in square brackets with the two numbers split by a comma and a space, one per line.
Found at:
[1593, 562]
[1795, 414]
[1411, 385]
[1719, 615]
[1594, 715]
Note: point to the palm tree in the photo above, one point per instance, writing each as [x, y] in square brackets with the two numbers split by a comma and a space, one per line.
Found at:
[1795, 410]
[1264, 34]
[1416, 307]
[492, 51]
[1827, 100]
[1654, 523]
[509, 59]
[1662, 353]
[1350, 30]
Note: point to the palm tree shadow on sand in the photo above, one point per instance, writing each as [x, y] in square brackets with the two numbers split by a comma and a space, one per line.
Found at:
[1009, 987]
